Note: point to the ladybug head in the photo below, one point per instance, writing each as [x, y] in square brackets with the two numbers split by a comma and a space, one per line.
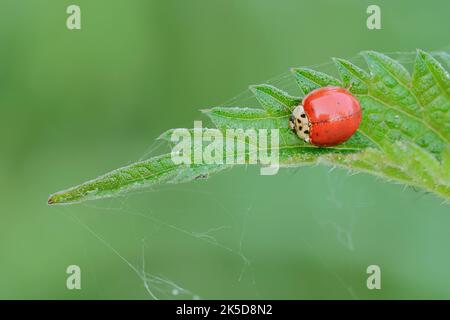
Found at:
[299, 123]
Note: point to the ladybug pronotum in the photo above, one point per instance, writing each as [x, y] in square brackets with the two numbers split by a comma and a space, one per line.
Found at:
[327, 116]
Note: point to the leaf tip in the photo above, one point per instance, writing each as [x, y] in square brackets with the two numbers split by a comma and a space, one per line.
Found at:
[299, 72]
[206, 110]
[369, 54]
[421, 53]
[162, 136]
[254, 87]
[55, 198]
[339, 61]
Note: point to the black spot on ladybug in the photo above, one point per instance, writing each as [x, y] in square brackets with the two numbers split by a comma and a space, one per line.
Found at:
[303, 115]
[306, 132]
[298, 120]
[300, 128]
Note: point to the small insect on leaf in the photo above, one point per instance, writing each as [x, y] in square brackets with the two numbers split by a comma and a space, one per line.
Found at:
[328, 116]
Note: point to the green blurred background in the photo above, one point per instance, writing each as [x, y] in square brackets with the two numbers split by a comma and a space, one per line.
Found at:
[75, 104]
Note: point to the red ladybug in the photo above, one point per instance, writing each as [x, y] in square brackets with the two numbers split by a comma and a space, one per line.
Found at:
[328, 116]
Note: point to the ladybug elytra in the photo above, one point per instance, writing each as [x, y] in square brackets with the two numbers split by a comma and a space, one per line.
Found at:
[327, 116]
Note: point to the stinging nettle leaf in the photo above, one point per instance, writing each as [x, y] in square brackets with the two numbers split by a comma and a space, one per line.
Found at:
[403, 136]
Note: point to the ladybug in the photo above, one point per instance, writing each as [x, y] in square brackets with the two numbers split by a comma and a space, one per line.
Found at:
[327, 116]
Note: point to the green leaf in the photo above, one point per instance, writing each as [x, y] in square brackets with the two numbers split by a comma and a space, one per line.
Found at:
[274, 100]
[309, 80]
[160, 169]
[403, 137]
[352, 76]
